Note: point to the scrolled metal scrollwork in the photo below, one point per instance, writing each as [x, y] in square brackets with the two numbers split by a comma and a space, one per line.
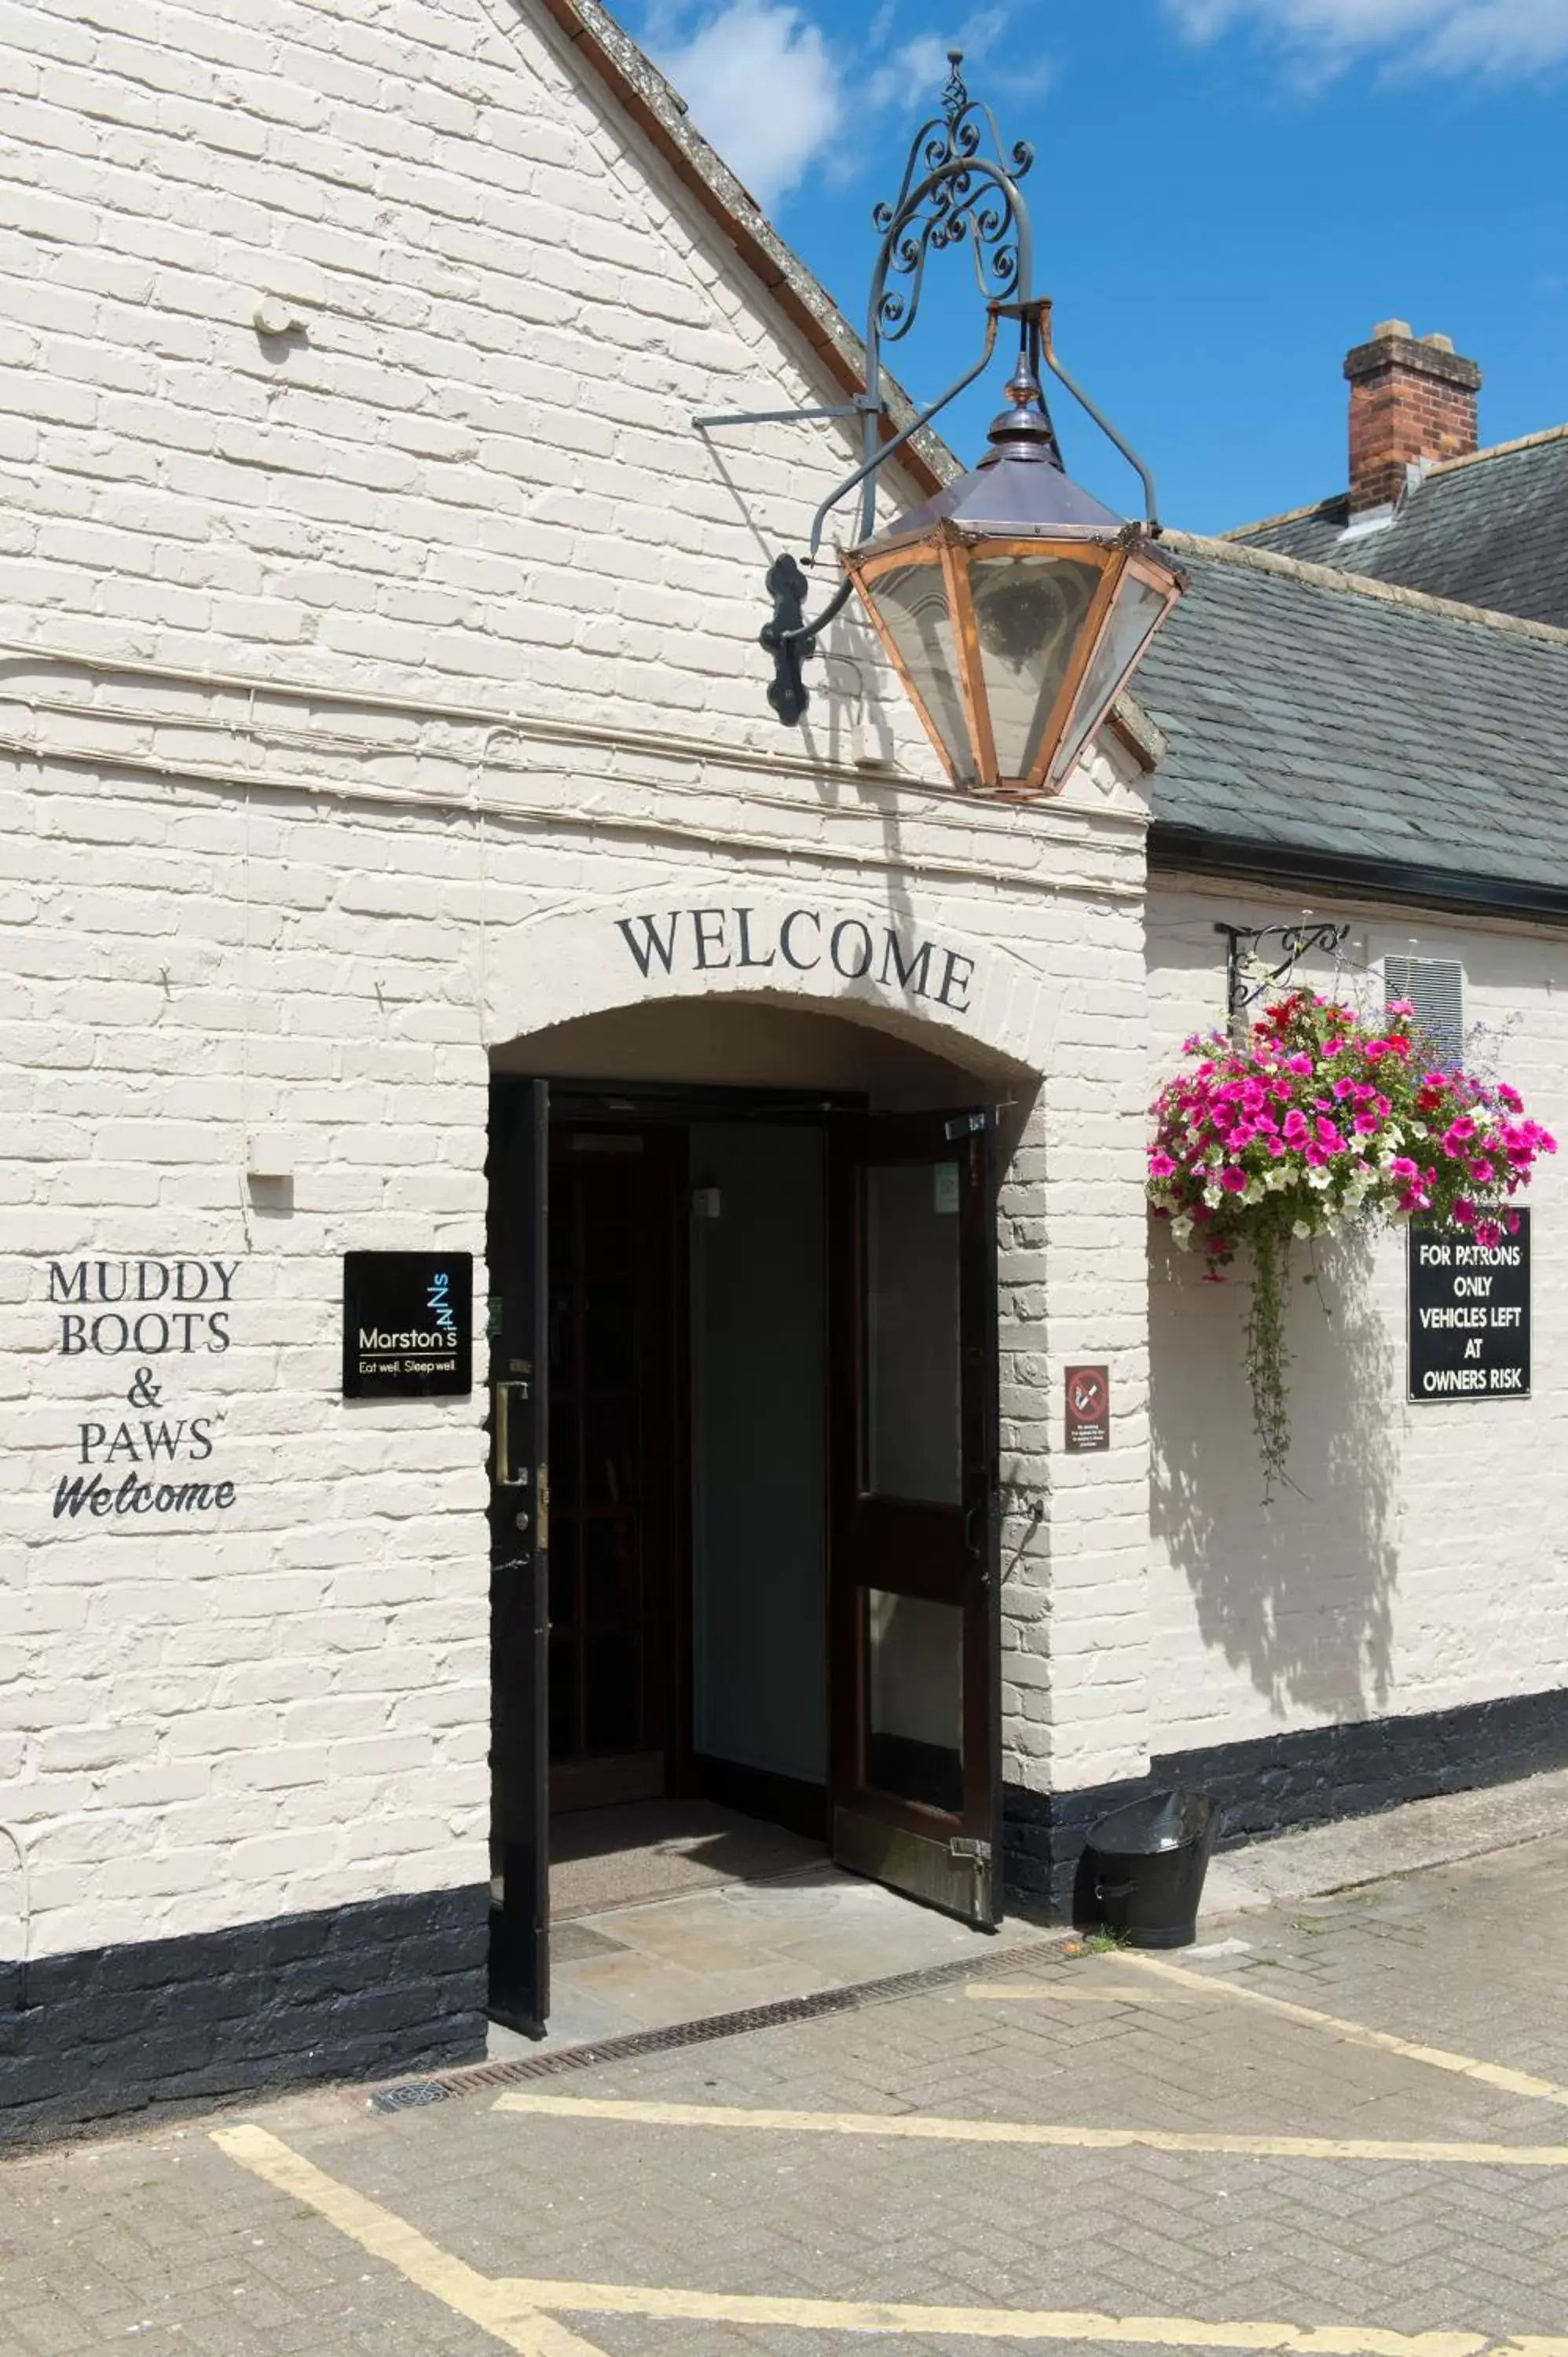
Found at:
[1251, 969]
[953, 193]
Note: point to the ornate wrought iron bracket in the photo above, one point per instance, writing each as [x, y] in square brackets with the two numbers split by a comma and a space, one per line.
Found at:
[960, 189]
[1244, 954]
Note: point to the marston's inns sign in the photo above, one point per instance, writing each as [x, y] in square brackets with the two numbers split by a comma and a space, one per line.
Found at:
[713, 940]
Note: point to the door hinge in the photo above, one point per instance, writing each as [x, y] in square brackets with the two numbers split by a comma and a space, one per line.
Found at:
[966, 1845]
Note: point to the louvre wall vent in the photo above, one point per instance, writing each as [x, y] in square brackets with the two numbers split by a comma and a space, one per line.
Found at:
[1435, 988]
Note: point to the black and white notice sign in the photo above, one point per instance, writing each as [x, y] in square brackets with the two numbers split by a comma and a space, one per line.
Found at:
[1469, 1314]
[408, 1324]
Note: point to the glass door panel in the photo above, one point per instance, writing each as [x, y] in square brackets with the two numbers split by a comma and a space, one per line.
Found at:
[913, 1587]
[912, 1441]
[613, 1416]
[914, 1699]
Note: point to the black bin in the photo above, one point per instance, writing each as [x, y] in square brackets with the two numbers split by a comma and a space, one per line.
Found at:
[1142, 1875]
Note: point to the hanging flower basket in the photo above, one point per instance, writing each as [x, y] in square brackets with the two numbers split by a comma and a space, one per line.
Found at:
[1313, 1119]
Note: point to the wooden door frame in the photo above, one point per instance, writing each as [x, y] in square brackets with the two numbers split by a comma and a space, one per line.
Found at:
[519, 1952]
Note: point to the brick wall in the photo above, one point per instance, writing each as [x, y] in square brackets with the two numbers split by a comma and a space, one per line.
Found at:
[285, 1705]
[375, 668]
[1411, 401]
[456, 468]
[1417, 1566]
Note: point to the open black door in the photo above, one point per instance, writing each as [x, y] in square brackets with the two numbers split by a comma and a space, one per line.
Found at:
[520, 1541]
[915, 1613]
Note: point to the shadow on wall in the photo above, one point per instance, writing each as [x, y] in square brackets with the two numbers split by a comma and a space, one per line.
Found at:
[1298, 1593]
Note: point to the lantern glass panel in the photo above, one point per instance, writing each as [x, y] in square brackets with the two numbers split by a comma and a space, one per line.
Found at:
[1134, 616]
[911, 602]
[1030, 614]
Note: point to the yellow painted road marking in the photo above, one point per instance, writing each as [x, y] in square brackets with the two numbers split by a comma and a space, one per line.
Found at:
[1014, 1992]
[1354, 2033]
[1027, 2132]
[998, 2323]
[520, 2311]
[495, 2307]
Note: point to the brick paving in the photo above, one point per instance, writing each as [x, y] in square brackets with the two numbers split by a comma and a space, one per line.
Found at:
[161, 2242]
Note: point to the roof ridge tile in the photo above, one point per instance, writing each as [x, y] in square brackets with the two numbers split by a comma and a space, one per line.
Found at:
[1498, 450]
[1286, 515]
[1363, 584]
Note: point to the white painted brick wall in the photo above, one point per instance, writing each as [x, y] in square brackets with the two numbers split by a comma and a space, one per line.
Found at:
[527, 613]
[288, 1706]
[1421, 1563]
[474, 467]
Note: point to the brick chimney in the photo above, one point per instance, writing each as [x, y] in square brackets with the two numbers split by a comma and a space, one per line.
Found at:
[1411, 398]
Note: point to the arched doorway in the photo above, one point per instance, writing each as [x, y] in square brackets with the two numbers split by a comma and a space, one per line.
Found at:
[744, 1477]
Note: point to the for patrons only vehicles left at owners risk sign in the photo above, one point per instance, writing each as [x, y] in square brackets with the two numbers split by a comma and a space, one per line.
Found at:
[1469, 1314]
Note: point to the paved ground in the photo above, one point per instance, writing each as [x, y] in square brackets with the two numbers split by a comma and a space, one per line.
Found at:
[1342, 2127]
[729, 1948]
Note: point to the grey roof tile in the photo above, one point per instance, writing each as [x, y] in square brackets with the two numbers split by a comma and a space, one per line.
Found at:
[1490, 530]
[1311, 715]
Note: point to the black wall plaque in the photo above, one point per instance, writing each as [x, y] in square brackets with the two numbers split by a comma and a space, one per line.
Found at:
[408, 1324]
[1469, 1314]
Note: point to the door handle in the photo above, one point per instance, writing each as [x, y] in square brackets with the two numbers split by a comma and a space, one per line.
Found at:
[506, 1476]
[977, 1521]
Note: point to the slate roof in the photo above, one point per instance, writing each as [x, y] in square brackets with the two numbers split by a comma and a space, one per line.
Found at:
[1306, 712]
[1489, 531]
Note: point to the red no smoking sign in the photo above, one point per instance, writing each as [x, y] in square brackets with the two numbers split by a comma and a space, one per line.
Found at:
[1089, 1407]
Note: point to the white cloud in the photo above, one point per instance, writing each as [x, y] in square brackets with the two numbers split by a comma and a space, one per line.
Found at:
[917, 69]
[1495, 37]
[763, 88]
[775, 96]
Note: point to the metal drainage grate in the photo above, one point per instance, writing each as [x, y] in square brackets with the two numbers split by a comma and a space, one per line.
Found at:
[757, 2017]
[412, 2096]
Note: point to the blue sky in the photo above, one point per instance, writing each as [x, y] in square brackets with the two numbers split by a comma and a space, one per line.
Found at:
[1227, 195]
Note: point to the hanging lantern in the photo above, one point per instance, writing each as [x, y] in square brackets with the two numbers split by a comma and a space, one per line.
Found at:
[1013, 606]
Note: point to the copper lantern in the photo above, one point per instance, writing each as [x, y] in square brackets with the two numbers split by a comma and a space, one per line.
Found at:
[1013, 606]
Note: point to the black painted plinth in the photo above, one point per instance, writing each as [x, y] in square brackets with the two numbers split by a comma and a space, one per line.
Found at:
[1281, 1784]
[366, 1991]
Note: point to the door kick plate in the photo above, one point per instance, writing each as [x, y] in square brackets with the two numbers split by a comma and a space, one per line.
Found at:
[956, 1875]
